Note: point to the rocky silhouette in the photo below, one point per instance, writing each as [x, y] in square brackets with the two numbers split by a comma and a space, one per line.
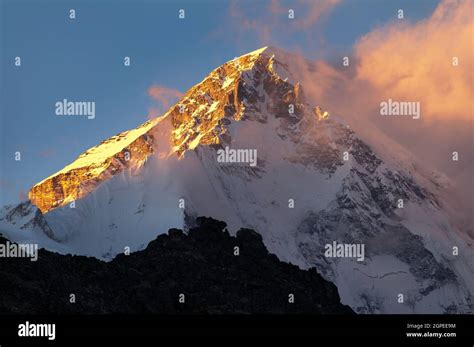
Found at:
[202, 271]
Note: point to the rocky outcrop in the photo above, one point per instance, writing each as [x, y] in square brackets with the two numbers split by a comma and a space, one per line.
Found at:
[90, 169]
[202, 265]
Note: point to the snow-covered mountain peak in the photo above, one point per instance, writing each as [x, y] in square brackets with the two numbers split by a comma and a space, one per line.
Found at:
[249, 87]
[315, 182]
[252, 87]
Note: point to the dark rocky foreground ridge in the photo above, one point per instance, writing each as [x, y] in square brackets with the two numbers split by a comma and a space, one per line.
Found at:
[200, 264]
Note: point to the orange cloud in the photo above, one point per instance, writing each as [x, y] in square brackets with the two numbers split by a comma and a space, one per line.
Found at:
[154, 112]
[415, 61]
[409, 62]
[313, 11]
[164, 96]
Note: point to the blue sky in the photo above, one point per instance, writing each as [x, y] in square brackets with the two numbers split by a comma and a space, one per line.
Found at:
[82, 60]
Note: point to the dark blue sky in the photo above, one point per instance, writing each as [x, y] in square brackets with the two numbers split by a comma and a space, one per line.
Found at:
[82, 60]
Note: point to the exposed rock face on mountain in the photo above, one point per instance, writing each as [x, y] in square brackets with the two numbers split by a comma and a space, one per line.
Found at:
[125, 150]
[316, 182]
[204, 265]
